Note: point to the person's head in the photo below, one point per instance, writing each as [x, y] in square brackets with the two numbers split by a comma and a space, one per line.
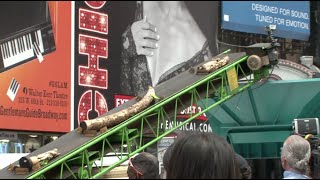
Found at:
[295, 154]
[245, 169]
[202, 156]
[167, 155]
[143, 166]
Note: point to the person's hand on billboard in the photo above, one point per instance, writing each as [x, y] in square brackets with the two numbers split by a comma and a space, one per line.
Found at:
[145, 37]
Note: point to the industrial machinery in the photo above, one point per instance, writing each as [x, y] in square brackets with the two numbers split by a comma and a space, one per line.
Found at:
[79, 153]
[83, 156]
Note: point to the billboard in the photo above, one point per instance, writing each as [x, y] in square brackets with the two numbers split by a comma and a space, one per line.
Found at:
[35, 84]
[72, 61]
[124, 47]
[292, 18]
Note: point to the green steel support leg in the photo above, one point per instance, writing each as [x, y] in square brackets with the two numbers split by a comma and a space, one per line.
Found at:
[141, 132]
[102, 153]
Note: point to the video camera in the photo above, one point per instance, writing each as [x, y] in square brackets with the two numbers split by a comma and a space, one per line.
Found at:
[305, 126]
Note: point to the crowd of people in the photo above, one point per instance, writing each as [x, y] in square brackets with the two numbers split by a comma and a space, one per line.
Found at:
[200, 155]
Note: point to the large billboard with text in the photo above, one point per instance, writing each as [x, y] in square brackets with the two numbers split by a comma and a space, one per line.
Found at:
[292, 18]
[35, 63]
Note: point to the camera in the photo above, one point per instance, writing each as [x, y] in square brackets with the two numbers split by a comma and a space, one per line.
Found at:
[306, 126]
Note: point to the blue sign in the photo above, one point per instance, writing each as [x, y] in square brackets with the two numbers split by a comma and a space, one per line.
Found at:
[292, 18]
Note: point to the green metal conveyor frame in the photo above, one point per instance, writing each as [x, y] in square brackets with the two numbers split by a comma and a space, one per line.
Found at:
[78, 160]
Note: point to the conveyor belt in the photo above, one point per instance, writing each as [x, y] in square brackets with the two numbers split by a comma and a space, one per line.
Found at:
[73, 140]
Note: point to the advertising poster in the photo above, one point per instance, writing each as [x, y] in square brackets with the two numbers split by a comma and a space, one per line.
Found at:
[65, 62]
[123, 47]
[291, 18]
[35, 63]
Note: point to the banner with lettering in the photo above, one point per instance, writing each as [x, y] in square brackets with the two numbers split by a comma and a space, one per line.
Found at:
[35, 66]
[97, 32]
[292, 18]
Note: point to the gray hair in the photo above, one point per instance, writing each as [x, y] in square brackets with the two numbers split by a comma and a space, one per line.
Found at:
[297, 151]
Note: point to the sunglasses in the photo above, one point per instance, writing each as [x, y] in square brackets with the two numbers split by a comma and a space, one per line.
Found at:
[135, 169]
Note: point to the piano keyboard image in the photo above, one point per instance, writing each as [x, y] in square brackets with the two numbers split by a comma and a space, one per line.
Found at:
[21, 48]
[13, 89]
[31, 39]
